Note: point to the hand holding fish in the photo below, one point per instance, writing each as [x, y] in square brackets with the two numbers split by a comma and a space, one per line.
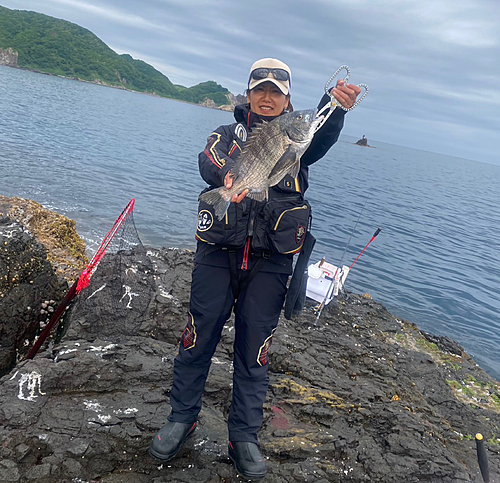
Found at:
[346, 94]
[228, 183]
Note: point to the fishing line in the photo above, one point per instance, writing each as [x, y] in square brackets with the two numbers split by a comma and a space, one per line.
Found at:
[332, 284]
[353, 230]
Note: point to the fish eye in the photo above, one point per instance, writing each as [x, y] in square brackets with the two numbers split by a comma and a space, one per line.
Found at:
[299, 117]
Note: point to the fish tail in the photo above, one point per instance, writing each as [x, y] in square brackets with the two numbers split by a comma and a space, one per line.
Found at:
[218, 200]
[221, 208]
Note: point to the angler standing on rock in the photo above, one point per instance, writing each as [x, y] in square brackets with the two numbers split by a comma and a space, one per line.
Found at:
[243, 261]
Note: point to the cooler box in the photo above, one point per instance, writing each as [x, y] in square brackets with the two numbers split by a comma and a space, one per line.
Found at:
[325, 280]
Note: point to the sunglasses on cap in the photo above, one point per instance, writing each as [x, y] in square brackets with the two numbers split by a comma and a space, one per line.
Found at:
[263, 72]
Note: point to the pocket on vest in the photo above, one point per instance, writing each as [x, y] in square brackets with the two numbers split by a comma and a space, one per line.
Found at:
[281, 225]
[230, 232]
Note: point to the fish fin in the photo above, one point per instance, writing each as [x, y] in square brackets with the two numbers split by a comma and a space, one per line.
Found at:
[211, 197]
[289, 163]
[221, 208]
[217, 200]
[295, 169]
[258, 195]
[254, 137]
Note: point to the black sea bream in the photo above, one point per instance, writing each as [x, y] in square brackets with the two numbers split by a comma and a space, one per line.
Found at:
[272, 151]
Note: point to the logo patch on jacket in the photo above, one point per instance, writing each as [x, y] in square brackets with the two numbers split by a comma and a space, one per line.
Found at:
[299, 234]
[241, 132]
[188, 337]
[205, 220]
[263, 356]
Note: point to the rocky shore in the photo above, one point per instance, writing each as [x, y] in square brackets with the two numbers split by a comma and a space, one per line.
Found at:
[363, 397]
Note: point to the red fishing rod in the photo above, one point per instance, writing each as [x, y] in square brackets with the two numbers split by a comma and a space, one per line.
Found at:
[362, 251]
[332, 284]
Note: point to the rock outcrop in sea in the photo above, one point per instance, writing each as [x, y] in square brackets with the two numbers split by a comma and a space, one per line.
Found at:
[363, 142]
[363, 397]
[40, 252]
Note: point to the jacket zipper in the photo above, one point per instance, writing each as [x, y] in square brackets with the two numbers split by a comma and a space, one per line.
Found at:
[304, 207]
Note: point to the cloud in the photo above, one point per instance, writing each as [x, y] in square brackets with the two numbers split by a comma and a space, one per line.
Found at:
[433, 60]
[460, 23]
[117, 16]
[468, 34]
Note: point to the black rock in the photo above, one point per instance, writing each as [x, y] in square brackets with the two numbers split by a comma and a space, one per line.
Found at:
[27, 285]
[362, 397]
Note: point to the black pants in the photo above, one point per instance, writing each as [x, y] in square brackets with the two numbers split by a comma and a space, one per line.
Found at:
[256, 317]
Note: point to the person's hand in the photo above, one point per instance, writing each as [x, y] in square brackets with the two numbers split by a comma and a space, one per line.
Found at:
[228, 183]
[346, 94]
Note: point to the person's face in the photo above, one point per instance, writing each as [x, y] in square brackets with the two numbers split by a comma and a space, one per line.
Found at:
[267, 100]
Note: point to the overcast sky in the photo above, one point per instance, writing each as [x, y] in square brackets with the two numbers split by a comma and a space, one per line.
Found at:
[433, 67]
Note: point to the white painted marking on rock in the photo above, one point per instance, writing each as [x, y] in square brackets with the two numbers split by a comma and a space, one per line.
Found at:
[132, 269]
[33, 381]
[98, 290]
[128, 291]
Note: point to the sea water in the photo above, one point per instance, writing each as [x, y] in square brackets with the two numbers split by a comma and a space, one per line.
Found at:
[85, 150]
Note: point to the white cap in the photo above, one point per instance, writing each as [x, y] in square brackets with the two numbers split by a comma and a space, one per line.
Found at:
[268, 63]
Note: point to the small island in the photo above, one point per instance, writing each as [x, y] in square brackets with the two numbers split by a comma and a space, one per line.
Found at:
[363, 142]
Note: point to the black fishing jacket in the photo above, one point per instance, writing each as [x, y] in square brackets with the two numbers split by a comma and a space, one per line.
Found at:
[223, 147]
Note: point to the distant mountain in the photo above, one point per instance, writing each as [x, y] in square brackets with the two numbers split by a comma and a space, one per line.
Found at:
[35, 41]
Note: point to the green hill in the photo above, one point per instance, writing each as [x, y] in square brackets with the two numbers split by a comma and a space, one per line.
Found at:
[54, 46]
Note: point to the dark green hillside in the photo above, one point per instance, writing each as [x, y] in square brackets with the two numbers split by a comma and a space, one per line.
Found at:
[206, 89]
[55, 46]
